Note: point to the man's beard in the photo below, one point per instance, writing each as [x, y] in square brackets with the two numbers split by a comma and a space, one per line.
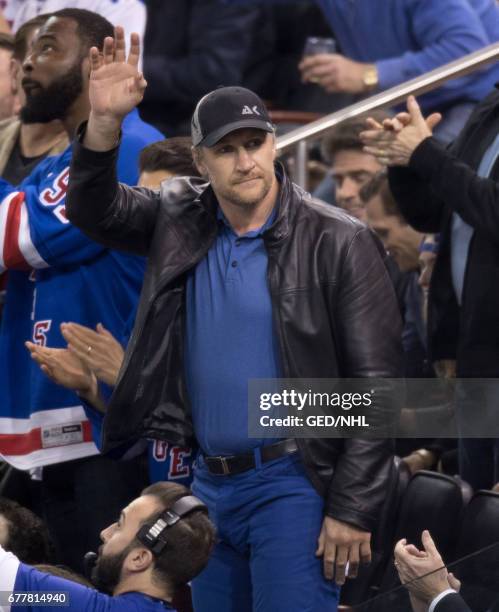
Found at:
[106, 573]
[54, 101]
[237, 199]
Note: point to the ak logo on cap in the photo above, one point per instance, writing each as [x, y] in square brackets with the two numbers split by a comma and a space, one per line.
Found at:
[250, 111]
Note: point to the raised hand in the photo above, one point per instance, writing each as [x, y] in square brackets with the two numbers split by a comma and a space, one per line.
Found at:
[116, 87]
[394, 142]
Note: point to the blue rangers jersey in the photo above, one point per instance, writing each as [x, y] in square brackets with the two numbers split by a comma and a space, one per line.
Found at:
[56, 274]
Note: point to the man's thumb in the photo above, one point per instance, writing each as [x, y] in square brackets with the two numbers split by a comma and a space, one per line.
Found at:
[414, 110]
[433, 120]
[429, 544]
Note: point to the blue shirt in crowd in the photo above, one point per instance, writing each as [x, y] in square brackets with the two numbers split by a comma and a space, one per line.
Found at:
[230, 338]
[406, 38]
[79, 598]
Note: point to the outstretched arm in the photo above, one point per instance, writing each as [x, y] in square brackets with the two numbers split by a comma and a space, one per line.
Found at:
[110, 213]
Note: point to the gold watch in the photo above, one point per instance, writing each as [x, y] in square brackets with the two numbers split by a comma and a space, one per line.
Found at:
[370, 77]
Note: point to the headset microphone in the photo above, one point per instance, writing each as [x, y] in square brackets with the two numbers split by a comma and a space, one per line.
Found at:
[89, 561]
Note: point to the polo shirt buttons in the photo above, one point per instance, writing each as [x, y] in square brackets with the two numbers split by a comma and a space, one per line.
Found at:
[234, 264]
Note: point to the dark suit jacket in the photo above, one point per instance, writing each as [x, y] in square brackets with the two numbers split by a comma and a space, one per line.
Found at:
[455, 603]
[452, 603]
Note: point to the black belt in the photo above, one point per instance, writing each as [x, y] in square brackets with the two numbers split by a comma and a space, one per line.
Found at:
[235, 464]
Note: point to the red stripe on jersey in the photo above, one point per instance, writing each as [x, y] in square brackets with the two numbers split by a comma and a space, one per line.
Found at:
[12, 256]
[26, 443]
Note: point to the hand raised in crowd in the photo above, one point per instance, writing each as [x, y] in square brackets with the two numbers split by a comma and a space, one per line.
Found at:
[116, 87]
[98, 351]
[64, 368]
[423, 571]
[333, 72]
[394, 142]
[339, 544]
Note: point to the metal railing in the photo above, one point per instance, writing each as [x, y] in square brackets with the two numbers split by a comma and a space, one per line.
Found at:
[299, 137]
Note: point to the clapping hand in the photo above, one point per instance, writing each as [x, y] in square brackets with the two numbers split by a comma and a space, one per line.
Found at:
[394, 141]
[423, 571]
[62, 367]
[98, 350]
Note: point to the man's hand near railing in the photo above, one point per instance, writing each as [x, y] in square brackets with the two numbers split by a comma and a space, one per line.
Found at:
[394, 141]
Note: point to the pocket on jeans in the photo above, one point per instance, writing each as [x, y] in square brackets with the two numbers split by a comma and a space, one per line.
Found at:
[290, 465]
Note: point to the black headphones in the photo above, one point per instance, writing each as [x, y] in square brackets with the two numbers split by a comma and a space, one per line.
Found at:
[153, 536]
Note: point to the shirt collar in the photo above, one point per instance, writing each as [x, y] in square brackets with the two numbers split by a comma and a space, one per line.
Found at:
[222, 220]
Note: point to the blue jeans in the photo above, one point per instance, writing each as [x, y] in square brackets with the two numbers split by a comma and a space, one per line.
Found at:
[268, 522]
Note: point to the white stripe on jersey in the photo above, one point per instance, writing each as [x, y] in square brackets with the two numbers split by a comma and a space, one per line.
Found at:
[42, 418]
[26, 246]
[4, 211]
[24, 243]
[49, 456]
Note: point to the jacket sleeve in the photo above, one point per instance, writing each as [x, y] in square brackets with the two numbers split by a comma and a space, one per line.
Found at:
[113, 214]
[419, 206]
[369, 328]
[453, 602]
[218, 43]
[454, 183]
[438, 41]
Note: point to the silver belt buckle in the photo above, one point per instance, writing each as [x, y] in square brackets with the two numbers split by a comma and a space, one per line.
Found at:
[225, 466]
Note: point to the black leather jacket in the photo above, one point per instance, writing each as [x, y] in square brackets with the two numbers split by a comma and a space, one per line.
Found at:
[334, 306]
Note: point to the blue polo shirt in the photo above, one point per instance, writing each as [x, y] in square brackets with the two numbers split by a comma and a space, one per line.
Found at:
[230, 337]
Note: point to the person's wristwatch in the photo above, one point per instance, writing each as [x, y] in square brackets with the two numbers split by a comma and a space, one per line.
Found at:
[370, 77]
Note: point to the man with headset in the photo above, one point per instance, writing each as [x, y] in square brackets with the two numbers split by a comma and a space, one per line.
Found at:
[160, 541]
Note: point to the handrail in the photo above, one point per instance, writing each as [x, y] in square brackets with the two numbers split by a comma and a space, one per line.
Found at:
[421, 84]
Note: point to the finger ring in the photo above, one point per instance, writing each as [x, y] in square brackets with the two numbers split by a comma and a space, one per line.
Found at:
[89, 349]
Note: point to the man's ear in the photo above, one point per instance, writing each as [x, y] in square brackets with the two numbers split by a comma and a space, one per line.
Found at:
[14, 69]
[197, 156]
[138, 560]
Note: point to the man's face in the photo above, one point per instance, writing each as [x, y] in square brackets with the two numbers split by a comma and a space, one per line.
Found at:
[153, 179]
[118, 542]
[399, 239]
[240, 167]
[18, 72]
[53, 72]
[351, 170]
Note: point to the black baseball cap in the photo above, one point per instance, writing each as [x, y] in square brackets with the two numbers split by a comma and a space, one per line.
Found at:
[227, 109]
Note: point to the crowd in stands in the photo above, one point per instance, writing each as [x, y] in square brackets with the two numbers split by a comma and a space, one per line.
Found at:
[423, 177]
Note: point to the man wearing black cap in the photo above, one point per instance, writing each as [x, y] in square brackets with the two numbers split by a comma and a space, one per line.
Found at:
[247, 277]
